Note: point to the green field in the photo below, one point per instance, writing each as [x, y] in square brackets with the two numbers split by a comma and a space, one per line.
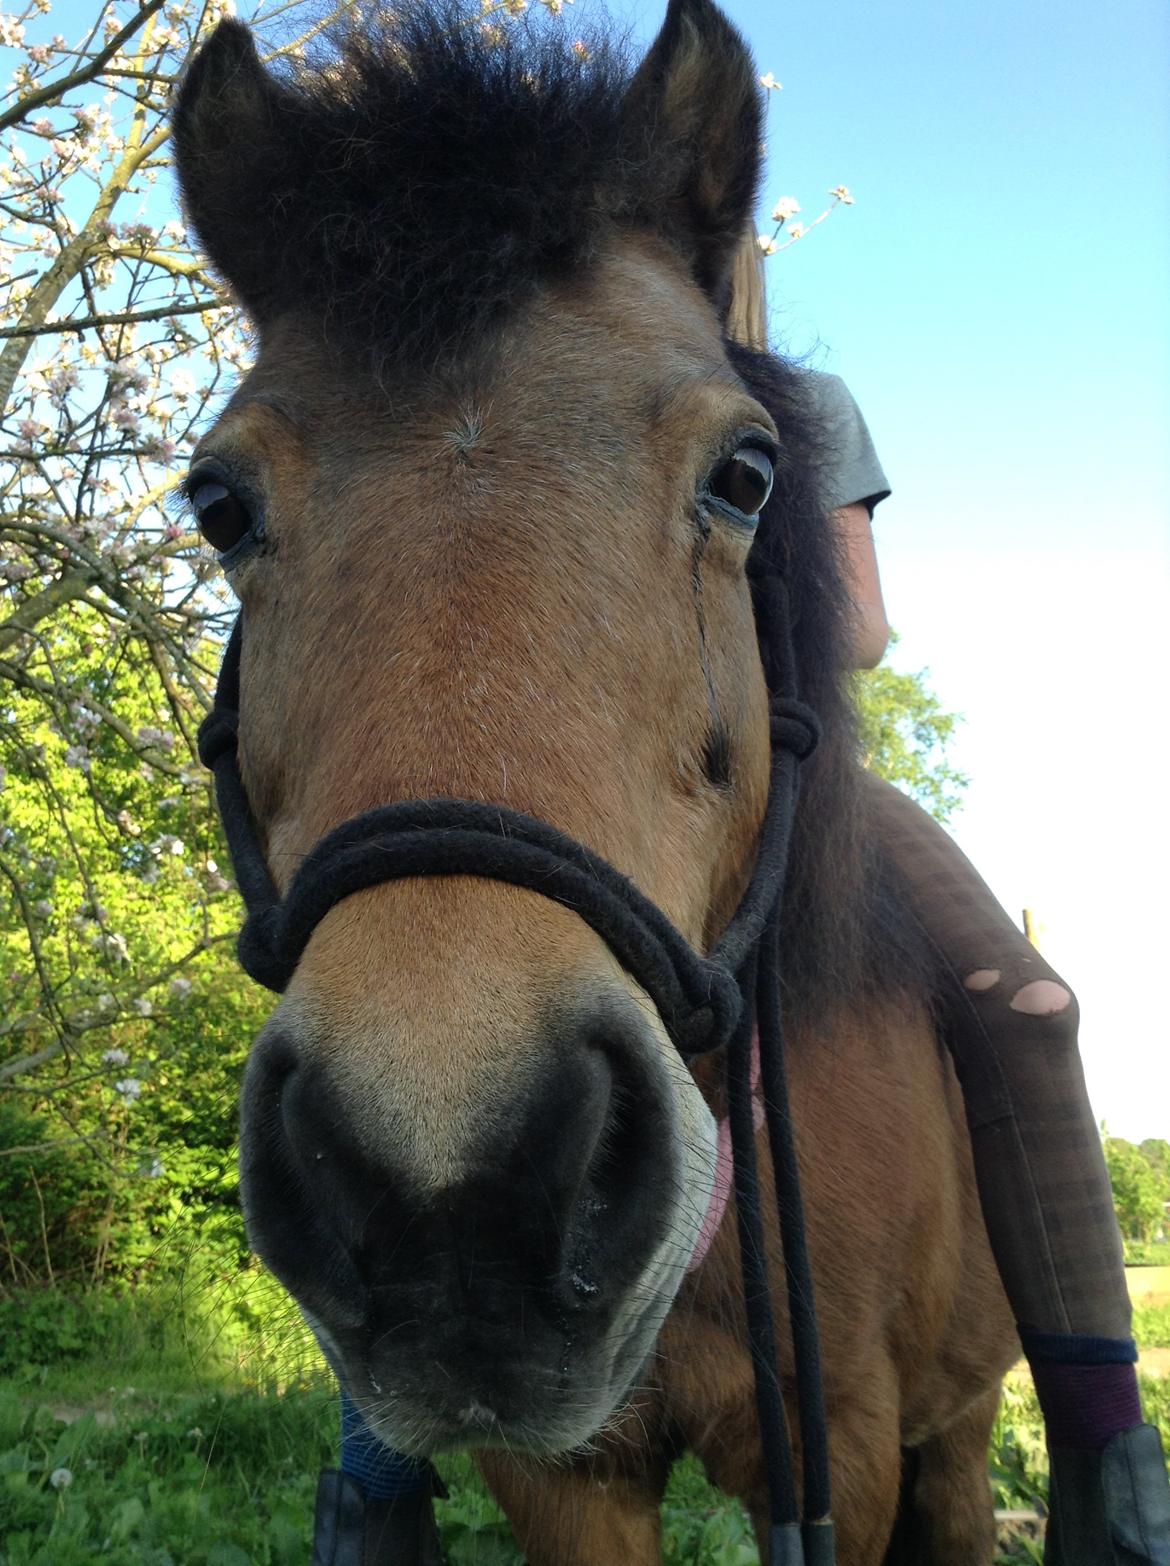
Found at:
[203, 1447]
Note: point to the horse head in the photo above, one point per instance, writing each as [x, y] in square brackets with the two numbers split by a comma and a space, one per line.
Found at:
[488, 498]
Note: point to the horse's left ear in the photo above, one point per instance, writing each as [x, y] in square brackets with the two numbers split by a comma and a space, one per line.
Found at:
[692, 122]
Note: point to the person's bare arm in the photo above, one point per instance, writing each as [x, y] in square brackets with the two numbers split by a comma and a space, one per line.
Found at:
[871, 630]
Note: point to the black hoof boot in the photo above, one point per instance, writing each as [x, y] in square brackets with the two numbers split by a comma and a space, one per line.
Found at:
[1110, 1508]
[351, 1530]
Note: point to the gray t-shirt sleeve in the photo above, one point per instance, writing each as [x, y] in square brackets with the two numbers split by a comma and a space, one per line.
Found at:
[851, 473]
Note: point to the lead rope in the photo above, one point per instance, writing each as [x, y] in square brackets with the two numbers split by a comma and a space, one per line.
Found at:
[705, 1002]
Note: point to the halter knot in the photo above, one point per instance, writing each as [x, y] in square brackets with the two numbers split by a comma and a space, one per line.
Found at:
[795, 726]
[218, 733]
[258, 948]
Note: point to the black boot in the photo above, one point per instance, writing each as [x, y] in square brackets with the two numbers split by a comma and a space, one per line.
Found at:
[1110, 1508]
[352, 1530]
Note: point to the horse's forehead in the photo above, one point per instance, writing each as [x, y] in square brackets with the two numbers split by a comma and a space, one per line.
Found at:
[632, 321]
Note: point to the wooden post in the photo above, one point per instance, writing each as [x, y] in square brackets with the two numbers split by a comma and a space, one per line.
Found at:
[1033, 929]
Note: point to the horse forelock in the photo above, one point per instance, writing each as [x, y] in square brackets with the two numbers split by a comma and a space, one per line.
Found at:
[424, 179]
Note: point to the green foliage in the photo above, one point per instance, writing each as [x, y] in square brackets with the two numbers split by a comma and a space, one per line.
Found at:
[1141, 1187]
[701, 1524]
[97, 1184]
[1156, 1152]
[905, 734]
[1151, 1326]
[1140, 1254]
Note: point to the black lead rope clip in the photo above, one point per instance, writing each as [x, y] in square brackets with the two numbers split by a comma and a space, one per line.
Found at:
[706, 1002]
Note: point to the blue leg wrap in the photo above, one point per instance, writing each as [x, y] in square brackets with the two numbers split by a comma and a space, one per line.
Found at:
[383, 1475]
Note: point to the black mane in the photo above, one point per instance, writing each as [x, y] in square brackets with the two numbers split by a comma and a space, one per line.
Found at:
[844, 927]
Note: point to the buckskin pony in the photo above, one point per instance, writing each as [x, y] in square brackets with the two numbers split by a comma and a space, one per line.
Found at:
[489, 499]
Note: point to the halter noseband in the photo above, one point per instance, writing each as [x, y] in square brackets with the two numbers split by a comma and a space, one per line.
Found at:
[705, 1002]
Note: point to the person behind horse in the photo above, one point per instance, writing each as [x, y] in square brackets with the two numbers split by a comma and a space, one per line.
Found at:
[1011, 1025]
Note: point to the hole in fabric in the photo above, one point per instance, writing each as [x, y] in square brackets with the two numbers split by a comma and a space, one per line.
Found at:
[1041, 998]
[982, 979]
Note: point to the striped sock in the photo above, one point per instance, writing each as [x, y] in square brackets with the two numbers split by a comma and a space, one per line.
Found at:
[1087, 1387]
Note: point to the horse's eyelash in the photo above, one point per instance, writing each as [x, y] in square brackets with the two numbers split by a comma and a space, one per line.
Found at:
[177, 499]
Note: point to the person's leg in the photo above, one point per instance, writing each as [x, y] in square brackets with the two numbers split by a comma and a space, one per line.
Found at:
[1012, 1026]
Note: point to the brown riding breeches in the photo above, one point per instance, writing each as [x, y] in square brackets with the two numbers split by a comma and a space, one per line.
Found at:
[1012, 1027]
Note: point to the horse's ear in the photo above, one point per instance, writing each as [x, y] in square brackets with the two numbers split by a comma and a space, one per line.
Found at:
[228, 153]
[694, 106]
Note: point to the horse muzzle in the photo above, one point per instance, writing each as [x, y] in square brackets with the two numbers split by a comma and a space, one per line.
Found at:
[499, 1278]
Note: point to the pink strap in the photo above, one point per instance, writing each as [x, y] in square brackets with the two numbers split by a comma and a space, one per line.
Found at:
[721, 1190]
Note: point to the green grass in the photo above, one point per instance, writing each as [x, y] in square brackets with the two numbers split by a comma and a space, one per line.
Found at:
[1151, 1326]
[200, 1447]
[227, 1479]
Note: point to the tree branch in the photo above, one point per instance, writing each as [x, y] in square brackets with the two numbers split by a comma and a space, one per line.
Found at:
[127, 318]
[69, 586]
[84, 1021]
[51, 91]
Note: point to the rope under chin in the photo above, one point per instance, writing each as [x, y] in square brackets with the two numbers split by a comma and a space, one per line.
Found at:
[706, 1002]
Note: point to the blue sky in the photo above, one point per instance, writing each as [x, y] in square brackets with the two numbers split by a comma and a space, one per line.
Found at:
[999, 302]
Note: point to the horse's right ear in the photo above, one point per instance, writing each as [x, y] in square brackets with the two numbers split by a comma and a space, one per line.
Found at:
[228, 154]
[692, 122]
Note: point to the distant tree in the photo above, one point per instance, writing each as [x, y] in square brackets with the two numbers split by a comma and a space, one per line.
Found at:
[1156, 1152]
[1138, 1195]
[905, 734]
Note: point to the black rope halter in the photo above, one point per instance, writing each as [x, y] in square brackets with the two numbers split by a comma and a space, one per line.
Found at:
[706, 1002]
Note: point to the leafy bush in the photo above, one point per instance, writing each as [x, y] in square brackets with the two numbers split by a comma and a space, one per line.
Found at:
[1140, 1253]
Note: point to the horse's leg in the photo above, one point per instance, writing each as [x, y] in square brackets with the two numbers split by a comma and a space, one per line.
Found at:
[866, 1457]
[866, 1464]
[953, 1520]
[588, 1516]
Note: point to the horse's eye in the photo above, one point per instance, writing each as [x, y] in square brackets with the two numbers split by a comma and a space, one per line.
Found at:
[744, 481]
[223, 518]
